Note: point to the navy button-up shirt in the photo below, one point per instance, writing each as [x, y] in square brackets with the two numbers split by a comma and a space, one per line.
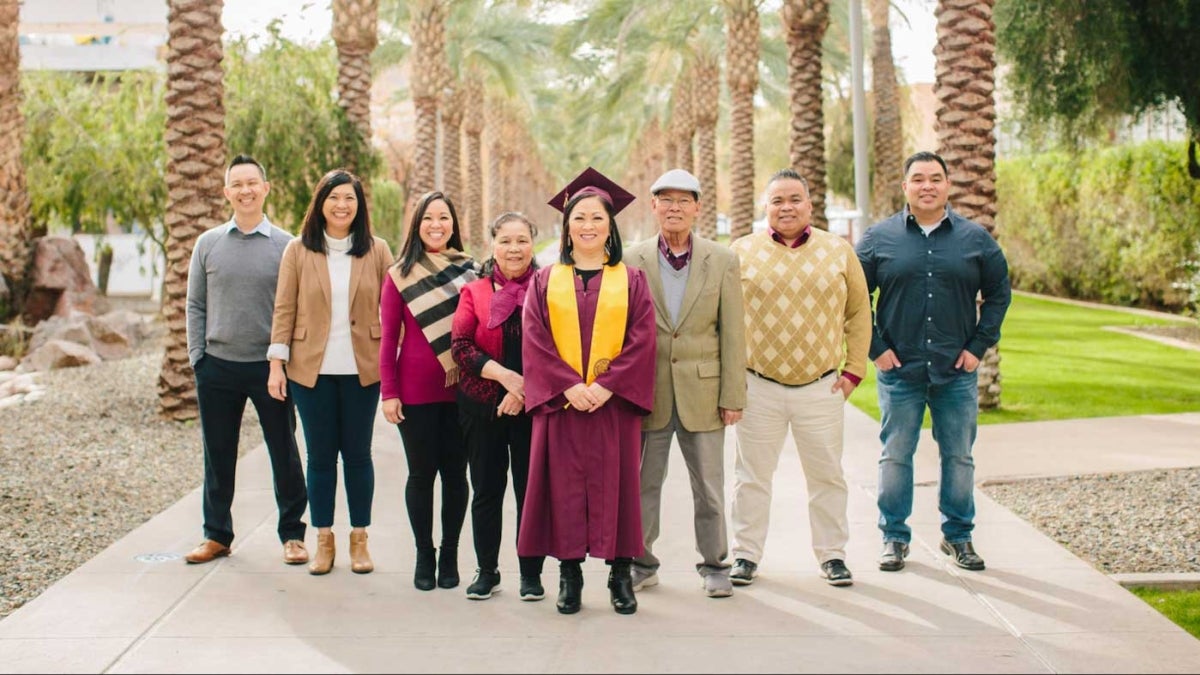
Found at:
[927, 285]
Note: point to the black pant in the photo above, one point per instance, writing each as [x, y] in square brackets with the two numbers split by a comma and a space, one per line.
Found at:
[433, 445]
[222, 388]
[491, 443]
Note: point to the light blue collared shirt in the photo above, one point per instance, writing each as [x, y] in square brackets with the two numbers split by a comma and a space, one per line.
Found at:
[263, 228]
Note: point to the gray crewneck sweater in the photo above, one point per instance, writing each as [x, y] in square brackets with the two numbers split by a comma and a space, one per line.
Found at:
[231, 292]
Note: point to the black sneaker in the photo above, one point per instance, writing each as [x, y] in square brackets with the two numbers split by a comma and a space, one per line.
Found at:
[743, 572]
[485, 584]
[964, 555]
[531, 588]
[835, 572]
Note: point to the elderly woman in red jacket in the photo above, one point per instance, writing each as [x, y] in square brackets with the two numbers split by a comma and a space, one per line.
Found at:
[486, 345]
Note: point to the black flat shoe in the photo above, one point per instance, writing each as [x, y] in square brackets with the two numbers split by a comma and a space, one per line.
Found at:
[964, 555]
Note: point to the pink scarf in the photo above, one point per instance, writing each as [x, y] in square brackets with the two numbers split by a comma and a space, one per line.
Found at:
[509, 297]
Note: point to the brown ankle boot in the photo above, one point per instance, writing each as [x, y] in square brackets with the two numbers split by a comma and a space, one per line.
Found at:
[360, 558]
[323, 560]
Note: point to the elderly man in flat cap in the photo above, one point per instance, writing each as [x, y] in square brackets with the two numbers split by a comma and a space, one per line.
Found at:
[700, 373]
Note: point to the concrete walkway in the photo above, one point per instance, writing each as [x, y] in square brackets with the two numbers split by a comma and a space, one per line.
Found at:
[137, 607]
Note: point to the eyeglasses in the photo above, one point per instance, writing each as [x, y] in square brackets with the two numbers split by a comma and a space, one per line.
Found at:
[682, 202]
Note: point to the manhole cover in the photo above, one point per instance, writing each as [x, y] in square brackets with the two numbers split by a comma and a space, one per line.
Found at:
[157, 557]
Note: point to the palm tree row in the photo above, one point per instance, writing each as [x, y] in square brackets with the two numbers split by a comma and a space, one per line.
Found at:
[636, 88]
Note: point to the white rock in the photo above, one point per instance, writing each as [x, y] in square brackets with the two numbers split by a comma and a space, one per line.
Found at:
[7, 363]
[11, 400]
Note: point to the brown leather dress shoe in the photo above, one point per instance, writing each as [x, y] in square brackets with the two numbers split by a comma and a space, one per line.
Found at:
[294, 552]
[206, 552]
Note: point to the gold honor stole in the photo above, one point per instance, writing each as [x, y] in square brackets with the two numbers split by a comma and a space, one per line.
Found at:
[608, 330]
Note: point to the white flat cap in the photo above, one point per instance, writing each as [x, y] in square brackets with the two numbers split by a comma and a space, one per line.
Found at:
[676, 179]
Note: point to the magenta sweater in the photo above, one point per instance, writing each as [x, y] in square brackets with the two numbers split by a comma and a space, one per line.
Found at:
[414, 375]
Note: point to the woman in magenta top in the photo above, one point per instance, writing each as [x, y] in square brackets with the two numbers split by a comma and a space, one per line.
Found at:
[418, 378]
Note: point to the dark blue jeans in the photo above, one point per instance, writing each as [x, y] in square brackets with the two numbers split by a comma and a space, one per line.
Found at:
[954, 408]
[338, 415]
[222, 389]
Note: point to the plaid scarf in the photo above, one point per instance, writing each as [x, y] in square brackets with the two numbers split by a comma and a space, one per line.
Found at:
[431, 292]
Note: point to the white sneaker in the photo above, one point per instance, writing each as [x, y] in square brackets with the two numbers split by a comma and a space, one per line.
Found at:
[717, 585]
[643, 578]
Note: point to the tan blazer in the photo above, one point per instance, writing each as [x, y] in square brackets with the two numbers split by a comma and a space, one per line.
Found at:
[701, 362]
[302, 310]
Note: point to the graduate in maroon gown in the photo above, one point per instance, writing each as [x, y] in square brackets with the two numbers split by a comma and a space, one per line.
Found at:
[589, 378]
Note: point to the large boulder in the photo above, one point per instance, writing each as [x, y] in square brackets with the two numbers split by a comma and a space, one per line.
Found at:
[111, 336]
[59, 354]
[61, 281]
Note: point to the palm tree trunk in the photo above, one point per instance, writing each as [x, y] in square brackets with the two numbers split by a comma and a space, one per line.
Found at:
[355, 31]
[886, 195]
[806, 22]
[16, 220]
[495, 179]
[195, 138]
[741, 18]
[966, 118]
[452, 118]
[473, 128]
[428, 75]
[707, 109]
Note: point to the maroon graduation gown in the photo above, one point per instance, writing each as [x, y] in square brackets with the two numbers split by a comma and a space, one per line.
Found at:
[583, 495]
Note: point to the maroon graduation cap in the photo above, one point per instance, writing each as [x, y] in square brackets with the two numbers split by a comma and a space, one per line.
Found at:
[593, 182]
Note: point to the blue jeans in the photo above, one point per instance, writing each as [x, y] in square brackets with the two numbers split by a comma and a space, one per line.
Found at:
[338, 415]
[954, 407]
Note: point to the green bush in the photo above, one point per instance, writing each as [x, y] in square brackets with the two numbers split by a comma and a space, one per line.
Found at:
[1117, 225]
[387, 212]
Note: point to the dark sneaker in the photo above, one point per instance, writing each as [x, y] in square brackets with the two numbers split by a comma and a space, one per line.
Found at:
[743, 572]
[964, 555]
[835, 573]
[531, 588]
[485, 584]
[892, 558]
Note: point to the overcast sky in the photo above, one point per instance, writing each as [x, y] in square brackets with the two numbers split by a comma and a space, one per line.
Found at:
[310, 19]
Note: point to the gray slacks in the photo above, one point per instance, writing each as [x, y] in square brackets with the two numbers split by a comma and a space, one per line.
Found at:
[703, 452]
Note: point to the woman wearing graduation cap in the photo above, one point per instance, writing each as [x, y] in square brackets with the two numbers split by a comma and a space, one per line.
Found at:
[589, 328]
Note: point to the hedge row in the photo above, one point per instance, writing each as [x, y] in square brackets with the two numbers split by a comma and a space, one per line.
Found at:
[1117, 225]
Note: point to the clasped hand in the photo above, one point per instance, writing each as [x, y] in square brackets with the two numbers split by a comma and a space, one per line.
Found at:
[587, 397]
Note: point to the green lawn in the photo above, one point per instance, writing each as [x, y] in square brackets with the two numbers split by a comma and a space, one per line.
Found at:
[1182, 607]
[1058, 363]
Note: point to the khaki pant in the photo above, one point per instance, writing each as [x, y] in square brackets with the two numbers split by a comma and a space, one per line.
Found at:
[814, 414]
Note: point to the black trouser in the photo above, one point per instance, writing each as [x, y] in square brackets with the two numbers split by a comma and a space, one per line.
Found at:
[491, 444]
[433, 445]
[222, 388]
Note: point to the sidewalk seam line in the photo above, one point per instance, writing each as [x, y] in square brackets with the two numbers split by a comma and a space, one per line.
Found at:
[195, 588]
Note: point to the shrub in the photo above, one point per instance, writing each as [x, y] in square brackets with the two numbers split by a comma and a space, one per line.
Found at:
[1117, 225]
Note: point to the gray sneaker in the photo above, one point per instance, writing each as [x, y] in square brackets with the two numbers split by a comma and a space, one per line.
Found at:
[643, 578]
[718, 585]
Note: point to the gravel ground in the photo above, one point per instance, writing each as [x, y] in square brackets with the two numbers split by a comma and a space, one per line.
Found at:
[1139, 522]
[87, 464]
[92, 460]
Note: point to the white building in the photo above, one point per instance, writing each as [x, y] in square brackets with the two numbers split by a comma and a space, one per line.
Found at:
[92, 35]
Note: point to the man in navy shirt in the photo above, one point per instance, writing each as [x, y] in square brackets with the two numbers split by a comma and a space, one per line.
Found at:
[928, 264]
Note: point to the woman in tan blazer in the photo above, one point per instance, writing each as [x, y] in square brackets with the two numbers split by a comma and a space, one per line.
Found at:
[325, 335]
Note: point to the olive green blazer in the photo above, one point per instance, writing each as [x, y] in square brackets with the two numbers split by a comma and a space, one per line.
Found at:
[701, 361]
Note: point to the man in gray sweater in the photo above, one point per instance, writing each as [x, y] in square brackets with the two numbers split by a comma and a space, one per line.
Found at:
[230, 304]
